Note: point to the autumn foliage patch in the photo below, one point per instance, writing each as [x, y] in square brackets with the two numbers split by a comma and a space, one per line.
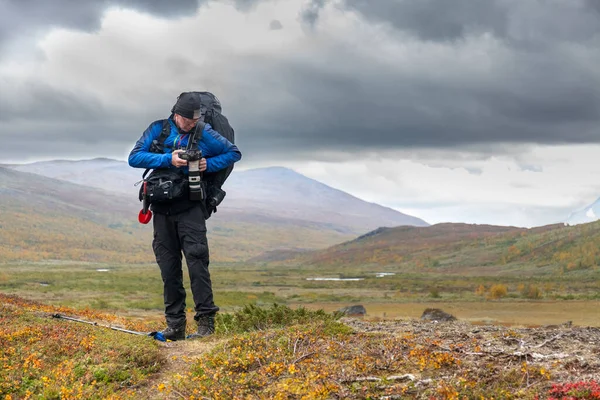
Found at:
[282, 353]
[50, 359]
[575, 391]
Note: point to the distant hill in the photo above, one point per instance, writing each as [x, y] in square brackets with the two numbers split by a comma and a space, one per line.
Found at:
[386, 246]
[45, 218]
[102, 173]
[460, 249]
[42, 216]
[42, 195]
[278, 191]
[252, 195]
[271, 215]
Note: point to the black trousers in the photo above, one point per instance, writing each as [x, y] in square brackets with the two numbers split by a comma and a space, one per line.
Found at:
[173, 234]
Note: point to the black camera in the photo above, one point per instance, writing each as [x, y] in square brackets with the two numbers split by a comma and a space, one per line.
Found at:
[190, 155]
[195, 181]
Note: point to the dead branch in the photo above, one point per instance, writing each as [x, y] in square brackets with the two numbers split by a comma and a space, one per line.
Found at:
[409, 377]
[303, 357]
[538, 356]
[533, 355]
[179, 394]
[548, 341]
[365, 378]
[405, 377]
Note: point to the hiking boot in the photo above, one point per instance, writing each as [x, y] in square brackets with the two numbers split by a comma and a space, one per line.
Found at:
[174, 332]
[206, 326]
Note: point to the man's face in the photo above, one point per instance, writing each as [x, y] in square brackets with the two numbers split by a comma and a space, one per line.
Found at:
[185, 124]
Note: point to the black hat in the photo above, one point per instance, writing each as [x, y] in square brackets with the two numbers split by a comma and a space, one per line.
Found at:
[187, 105]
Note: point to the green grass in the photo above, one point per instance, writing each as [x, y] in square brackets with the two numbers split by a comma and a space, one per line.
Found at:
[254, 318]
[137, 289]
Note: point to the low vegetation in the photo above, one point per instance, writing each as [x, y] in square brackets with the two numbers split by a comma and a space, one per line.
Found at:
[277, 352]
[462, 248]
[47, 358]
[279, 335]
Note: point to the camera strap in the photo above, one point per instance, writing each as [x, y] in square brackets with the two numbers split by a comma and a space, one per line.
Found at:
[196, 136]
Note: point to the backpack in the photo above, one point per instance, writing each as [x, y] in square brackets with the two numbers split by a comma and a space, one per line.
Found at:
[210, 112]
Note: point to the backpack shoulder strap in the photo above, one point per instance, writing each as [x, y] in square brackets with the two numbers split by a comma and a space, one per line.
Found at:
[157, 145]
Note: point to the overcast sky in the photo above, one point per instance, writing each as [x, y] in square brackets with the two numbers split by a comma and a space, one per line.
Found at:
[449, 110]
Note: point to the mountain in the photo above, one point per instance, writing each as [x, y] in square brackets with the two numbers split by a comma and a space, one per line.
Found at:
[388, 246]
[460, 249]
[587, 214]
[278, 191]
[44, 217]
[252, 195]
[38, 194]
[47, 218]
[103, 173]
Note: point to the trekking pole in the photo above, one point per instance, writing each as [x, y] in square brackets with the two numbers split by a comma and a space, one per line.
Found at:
[156, 335]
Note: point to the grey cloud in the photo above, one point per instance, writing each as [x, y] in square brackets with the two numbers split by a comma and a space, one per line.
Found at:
[245, 5]
[521, 185]
[531, 168]
[474, 171]
[26, 17]
[352, 113]
[523, 23]
[275, 25]
[310, 14]
[181, 66]
[62, 123]
[43, 103]
[437, 20]
[170, 9]
[544, 87]
[21, 18]
[574, 21]
[593, 5]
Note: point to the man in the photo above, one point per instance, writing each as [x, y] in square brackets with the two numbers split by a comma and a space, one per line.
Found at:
[180, 224]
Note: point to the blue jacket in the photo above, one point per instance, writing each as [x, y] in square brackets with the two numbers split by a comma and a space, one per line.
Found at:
[218, 151]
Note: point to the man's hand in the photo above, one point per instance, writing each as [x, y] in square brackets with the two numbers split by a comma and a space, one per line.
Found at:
[176, 161]
[179, 162]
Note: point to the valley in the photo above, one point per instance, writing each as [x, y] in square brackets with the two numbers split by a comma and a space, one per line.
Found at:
[70, 244]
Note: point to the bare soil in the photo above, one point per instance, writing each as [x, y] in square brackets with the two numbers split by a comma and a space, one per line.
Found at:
[179, 356]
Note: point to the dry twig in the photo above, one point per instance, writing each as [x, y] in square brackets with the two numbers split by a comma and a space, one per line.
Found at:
[303, 357]
[548, 341]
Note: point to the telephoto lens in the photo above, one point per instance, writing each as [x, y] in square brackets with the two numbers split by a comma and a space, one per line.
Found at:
[195, 181]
